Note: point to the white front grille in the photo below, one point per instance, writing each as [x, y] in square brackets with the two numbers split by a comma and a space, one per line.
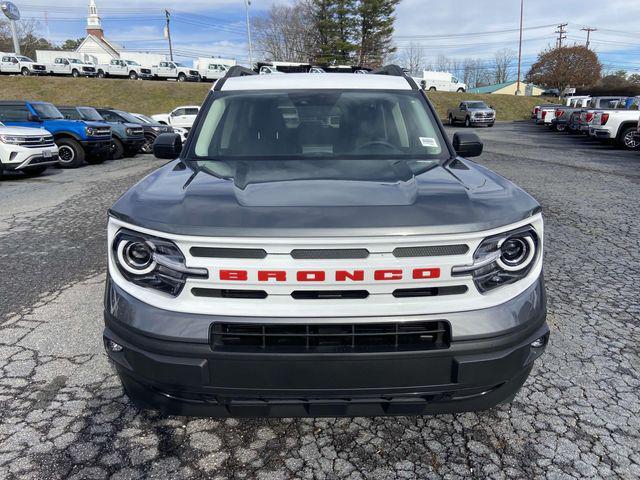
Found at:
[281, 288]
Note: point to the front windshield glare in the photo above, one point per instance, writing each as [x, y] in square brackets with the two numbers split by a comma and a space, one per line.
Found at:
[47, 111]
[477, 105]
[90, 114]
[319, 124]
[128, 117]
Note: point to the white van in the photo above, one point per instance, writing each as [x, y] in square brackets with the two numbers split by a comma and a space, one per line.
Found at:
[441, 81]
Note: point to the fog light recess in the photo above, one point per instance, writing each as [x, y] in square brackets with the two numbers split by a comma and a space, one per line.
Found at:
[114, 347]
[538, 342]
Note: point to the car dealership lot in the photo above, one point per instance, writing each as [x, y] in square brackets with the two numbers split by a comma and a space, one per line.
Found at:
[63, 414]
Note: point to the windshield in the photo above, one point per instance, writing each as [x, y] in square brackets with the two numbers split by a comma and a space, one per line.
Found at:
[46, 111]
[91, 114]
[477, 105]
[131, 62]
[180, 65]
[127, 116]
[144, 118]
[25, 59]
[74, 60]
[320, 125]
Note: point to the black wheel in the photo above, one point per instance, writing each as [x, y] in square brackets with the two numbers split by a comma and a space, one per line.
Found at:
[467, 122]
[133, 75]
[432, 89]
[117, 149]
[629, 138]
[70, 152]
[147, 146]
[75, 73]
[461, 90]
[25, 72]
[451, 120]
[490, 125]
[100, 74]
[561, 127]
[34, 171]
[182, 77]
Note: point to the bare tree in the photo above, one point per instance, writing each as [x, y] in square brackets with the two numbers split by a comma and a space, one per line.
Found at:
[442, 64]
[285, 33]
[412, 58]
[504, 60]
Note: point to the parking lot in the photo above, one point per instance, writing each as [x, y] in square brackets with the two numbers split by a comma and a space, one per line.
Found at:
[63, 414]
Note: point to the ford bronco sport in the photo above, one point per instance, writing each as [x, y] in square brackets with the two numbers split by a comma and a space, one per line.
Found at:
[318, 247]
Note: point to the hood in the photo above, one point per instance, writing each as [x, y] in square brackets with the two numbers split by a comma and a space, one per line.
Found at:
[461, 197]
[94, 124]
[483, 110]
[22, 131]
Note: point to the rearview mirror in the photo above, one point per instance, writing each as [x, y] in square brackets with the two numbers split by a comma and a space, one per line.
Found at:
[467, 144]
[167, 146]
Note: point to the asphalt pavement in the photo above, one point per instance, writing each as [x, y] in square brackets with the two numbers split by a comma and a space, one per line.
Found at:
[63, 414]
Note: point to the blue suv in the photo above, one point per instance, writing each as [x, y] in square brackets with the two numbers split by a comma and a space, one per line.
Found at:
[77, 140]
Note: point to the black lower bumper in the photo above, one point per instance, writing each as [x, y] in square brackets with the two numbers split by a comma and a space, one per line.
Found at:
[97, 147]
[133, 144]
[185, 378]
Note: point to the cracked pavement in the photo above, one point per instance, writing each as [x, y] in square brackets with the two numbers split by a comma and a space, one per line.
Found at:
[63, 414]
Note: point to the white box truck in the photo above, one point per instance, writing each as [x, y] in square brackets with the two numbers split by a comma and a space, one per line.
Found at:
[441, 81]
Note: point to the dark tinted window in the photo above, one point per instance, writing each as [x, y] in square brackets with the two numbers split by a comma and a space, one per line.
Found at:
[14, 113]
[70, 113]
[109, 116]
[191, 111]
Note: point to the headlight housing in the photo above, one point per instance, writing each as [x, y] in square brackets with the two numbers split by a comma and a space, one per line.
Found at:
[90, 131]
[502, 259]
[152, 262]
[128, 131]
[11, 139]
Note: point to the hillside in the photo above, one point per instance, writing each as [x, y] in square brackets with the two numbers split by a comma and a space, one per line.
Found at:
[155, 97]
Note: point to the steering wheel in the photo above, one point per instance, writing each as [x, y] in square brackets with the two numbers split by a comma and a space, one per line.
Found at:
[377, 142]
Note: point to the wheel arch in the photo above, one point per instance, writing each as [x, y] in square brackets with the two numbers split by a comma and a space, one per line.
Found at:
[67, 134]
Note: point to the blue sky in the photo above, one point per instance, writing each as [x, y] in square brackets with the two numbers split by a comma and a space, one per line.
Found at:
[450, 27]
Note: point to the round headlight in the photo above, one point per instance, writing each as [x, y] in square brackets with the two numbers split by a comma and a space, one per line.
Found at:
[129, 131]
[90, 131]
[136, 257]
[516, 253]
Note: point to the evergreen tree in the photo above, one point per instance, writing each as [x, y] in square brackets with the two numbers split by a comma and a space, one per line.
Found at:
[346, 30]
[375, 31]
[324, 12]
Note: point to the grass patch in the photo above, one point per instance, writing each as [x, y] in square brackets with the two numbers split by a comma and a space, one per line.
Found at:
[151, 97]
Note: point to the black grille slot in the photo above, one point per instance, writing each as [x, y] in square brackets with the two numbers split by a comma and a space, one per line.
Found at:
[429, 291]
[328, 294]
[430, 251]
[227, 293]
[212, 252]
[331, 338]
[325, 254]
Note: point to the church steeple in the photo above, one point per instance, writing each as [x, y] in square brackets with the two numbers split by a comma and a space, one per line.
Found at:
[94, 26]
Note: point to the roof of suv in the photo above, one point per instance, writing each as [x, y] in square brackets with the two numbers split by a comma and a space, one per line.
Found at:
[305, 81]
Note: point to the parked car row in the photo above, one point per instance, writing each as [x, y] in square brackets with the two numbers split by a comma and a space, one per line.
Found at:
[611, 119]
[35, 135]
[11, 63]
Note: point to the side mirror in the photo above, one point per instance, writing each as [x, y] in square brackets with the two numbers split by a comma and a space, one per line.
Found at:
[467, 144]
[32, 117]
[167, 146]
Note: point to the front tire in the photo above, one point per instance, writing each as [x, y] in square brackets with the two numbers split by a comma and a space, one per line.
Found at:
[147, 146]
[133, 75]
[490, 125]
[182, 77]
[117, 149]
[25, 72]
[100, 74]
[467, 122]
[629, 138]
[75, 73]
[70, 153]
[451, 120]
[432, 89]
[461, 90]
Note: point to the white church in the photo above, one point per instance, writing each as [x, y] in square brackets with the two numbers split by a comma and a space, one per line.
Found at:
[99, 50]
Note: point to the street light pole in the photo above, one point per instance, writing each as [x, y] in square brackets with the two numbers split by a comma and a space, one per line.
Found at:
[168, 28]
[518, 92]
[246, 6]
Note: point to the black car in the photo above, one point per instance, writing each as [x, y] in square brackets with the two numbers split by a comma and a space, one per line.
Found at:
[151, 128]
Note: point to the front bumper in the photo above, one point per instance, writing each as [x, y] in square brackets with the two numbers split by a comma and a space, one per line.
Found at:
[189, 377]
[482, 121]
[33, 160]
[96, 147]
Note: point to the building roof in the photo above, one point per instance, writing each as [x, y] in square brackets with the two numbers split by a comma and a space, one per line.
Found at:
[107, 46]
[301, 81]
[494, 88]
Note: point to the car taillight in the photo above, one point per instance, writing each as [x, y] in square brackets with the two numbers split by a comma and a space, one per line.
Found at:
[604, 118]
[544, 114]
[559, 113]
[536, 110]
[589, 117]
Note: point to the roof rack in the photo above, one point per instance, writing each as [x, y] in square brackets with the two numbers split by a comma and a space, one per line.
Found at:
[395, 71]
[235, 71]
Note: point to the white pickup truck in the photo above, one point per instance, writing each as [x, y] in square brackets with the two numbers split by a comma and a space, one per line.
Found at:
[181, 117]
[618, 124]
[26, 150]
[19, 64]
[176, 71]
[212, 71]
[124, 68]
[71, 66]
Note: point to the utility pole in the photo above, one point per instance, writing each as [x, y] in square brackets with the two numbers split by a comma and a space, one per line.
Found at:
[589, 30]
[518, 92]
[246, 6]
[561, 33]
[168, 34]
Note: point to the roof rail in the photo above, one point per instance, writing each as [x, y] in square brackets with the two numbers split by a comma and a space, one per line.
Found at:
[235, 71]
[395, 71]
